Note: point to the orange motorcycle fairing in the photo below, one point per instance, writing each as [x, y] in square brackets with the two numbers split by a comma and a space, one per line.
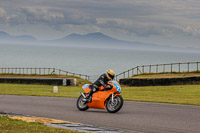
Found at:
[98, 98]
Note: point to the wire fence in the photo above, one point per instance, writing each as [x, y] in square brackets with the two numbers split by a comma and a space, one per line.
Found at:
[40, 71]
[160, 68]
[145, 69]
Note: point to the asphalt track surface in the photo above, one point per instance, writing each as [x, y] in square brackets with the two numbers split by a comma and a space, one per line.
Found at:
[137, 117]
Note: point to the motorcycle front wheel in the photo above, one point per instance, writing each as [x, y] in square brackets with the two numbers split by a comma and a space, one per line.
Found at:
[81, 105]
[116, 105]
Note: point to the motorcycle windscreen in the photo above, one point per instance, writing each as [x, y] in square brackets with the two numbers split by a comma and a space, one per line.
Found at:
[86, 88]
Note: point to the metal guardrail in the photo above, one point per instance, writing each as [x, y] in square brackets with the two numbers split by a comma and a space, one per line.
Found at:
[160, 68]
[40, 71]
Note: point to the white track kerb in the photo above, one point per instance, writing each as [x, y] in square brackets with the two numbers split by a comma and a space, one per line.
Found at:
[60, 123]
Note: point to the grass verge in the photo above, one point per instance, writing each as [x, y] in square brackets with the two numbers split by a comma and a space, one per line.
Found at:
[166, 75]
[179, 94]
[8, 125]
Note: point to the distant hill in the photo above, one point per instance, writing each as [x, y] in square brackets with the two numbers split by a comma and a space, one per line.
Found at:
[96, 40]
[88, 38]
[100, 40]
[5, 37]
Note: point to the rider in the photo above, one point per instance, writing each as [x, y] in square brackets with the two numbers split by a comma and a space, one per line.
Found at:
[101, 81]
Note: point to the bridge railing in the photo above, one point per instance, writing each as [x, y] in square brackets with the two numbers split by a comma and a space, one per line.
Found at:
[40, 71]
[160, 68]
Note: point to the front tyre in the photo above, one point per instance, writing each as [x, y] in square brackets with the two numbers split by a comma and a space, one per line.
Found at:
[80, 104]
[116, 105]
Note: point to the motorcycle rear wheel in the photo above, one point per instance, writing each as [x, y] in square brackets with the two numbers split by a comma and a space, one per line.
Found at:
[81, 105]
[116, 105]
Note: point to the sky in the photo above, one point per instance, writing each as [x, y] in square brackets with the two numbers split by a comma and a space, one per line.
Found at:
[164, 22]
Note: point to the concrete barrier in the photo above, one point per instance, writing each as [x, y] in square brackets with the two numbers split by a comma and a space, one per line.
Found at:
[46, 81]
[160, 82]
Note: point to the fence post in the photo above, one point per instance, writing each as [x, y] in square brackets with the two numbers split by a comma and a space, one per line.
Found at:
[164, 68]
[157, 68]
[149, 68]
[179, 67]
[197, 67]
[53, 71]
[143, 69]
[171, 68]
[128, 73]
[133, 72]
[124, 74]
[188, 67]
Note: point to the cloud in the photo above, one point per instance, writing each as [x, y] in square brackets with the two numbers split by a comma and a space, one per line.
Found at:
[142, 18]
[30, 15]
[150, 28]
[3, 17]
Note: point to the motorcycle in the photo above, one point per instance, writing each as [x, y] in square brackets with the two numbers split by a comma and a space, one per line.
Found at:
[111, 100]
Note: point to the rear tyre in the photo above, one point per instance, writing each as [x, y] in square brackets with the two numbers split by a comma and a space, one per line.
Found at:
[116, 105]
[81, 105]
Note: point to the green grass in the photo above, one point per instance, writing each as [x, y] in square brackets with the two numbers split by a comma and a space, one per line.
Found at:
[165, 75]
[173, 72]
[39, 90]
[179, 94]
[8, 125]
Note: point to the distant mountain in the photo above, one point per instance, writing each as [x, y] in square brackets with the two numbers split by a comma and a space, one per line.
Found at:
[92, 37]
[3, 34]
[100, 40]
[5, 37]
[95, 40]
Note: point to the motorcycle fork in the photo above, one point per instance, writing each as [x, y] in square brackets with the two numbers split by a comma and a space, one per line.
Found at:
[83, 94]
[112, 97]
